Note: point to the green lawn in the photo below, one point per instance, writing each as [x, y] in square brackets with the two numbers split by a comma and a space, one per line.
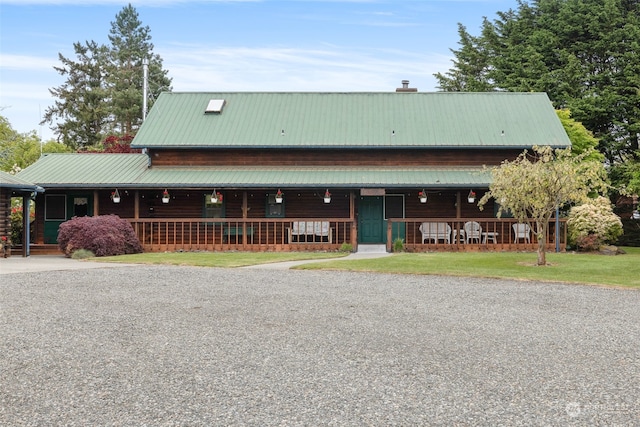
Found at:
[620, 270]
[218, 259]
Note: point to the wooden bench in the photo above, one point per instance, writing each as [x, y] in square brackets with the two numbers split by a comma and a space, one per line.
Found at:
[310, 229]
[233, 231]
[435, 231]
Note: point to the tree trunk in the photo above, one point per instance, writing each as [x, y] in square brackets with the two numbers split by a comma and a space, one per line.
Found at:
[541, 233]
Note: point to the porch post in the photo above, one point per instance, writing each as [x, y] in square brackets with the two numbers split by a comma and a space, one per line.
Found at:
[26, 225]
[352, 215]
[458, 205]
[136, 205]
[96, 204]
[245, 211]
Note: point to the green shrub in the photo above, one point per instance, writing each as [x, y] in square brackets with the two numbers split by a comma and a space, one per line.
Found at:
[398, 245]
[346, 247]
[83, 254]
[593, 224]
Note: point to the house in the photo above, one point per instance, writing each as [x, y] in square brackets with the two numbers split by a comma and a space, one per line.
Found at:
[349, 166]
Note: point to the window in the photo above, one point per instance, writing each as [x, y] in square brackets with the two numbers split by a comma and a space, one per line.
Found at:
[496, 209]
[394, 206]
[55, 207]
[213, 210]
[80, 206]
[274, 210]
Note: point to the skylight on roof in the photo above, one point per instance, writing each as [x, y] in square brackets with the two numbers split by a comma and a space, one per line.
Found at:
[214, 106]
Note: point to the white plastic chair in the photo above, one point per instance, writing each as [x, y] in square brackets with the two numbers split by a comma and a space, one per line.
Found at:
[521, 231]
[435, 231]
[472, 231]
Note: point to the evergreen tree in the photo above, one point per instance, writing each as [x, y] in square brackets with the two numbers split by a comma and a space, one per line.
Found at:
[82, 100]
[471, 66]
[584, 53]
[104, 88]
[130, 44]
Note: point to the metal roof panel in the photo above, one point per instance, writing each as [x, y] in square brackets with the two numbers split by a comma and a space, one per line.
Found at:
[307, 119]
[89, 170]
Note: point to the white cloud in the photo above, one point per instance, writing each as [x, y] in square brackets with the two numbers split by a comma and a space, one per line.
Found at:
[327, 68]
[201, 68]
[26, 62]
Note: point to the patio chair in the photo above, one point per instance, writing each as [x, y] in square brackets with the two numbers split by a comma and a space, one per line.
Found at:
[435, 231]
[521, 231]
[472, 231]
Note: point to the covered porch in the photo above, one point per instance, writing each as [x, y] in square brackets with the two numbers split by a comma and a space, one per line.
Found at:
[330, 234]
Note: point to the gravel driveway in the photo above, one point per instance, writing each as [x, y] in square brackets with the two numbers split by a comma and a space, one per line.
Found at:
[180, 346]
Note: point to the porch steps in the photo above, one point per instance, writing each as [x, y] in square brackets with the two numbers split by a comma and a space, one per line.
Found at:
[38, 249]
[372, 249]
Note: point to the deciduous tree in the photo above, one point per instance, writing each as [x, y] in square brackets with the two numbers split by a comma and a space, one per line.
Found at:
[19, 150]
[539, 182]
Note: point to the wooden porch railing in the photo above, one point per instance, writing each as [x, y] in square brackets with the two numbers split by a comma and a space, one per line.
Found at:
[446, 234]
[220, 234]
[313, 234]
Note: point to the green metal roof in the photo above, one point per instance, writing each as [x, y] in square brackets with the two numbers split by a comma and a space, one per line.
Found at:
[352, 120]
[17, 184]
[132, 171]
[86, 170]
[349, 177]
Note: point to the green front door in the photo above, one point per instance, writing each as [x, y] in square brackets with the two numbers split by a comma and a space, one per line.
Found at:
[62, 207]
[371, 220]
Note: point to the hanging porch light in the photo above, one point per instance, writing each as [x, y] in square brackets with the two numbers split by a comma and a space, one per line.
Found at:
[216, 197]
[327, 196]
[115, 196]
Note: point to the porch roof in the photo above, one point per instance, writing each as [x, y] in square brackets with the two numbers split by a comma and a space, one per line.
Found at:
[17, 184]
[132, 171]
[351, 120]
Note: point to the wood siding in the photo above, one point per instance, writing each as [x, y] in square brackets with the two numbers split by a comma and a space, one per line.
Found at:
[297, 204]
[307, 157]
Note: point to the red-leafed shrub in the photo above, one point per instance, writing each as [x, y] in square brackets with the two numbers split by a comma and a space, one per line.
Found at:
[104, 235]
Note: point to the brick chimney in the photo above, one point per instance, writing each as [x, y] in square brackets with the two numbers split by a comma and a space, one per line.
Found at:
[405, 87]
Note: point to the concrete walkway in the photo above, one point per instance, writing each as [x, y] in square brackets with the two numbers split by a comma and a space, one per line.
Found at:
[35, 263]
[288, 264]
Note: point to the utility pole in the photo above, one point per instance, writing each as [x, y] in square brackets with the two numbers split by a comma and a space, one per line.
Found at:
[145, 84]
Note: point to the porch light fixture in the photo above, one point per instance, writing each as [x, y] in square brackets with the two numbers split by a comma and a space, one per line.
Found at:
[115, 196]
[216, 197]
[279, 196]
[165, 196]
[422, 195]
[471, 197]
[327, 196]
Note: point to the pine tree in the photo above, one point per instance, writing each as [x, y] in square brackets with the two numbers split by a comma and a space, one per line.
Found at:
[82, 100]
[104, 88]
[130, 44]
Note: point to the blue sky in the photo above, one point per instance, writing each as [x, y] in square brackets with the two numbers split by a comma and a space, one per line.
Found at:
[241, 45]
